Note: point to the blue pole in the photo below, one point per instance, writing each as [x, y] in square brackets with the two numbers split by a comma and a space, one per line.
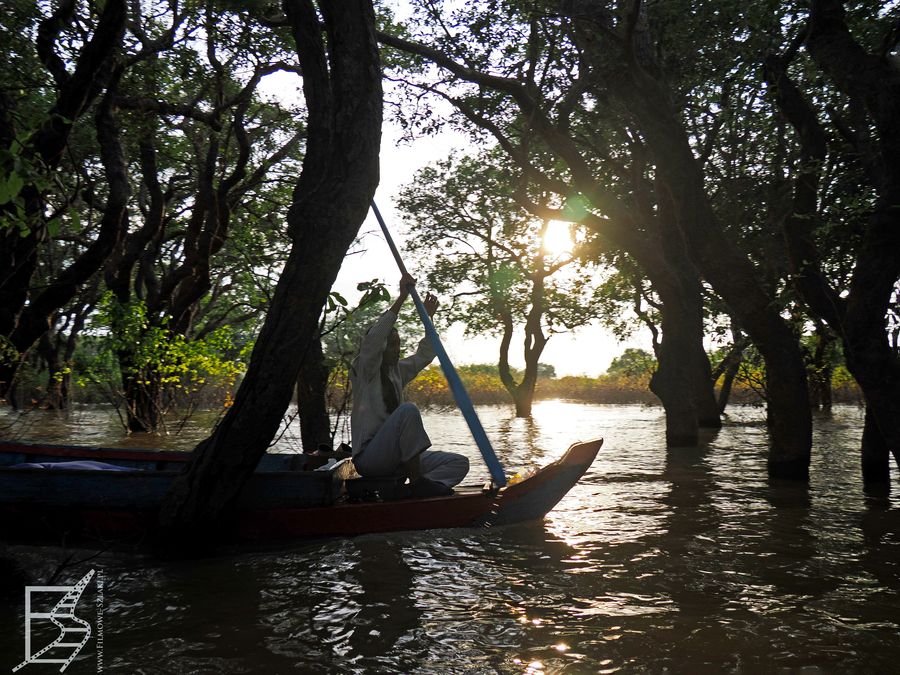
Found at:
[456, 386]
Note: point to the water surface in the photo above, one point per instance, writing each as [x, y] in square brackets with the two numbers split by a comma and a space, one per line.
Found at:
[685, 560]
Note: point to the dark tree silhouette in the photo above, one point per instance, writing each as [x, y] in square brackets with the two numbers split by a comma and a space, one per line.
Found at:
[342, 86]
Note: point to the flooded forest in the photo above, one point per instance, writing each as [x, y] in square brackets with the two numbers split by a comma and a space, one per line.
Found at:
[188, 302]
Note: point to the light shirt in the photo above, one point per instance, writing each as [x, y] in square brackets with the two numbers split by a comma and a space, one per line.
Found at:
[369, 411]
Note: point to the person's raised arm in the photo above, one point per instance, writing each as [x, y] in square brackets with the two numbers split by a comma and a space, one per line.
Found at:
[412, 365]
[406, 284]
[373, 342]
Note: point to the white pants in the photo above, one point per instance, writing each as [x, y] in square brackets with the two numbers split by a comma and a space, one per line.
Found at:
[401, 438]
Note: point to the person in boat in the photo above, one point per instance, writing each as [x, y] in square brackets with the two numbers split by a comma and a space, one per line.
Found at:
[388, 437]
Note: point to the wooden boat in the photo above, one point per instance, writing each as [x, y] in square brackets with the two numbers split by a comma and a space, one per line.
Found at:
[283, 500]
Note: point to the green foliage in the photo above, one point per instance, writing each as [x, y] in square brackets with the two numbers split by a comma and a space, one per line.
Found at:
[625, 300]
[178, 362]
[21, 169]
[343, 326]
[546, 371]
[128, 349]
[841, 378]
[633, 363]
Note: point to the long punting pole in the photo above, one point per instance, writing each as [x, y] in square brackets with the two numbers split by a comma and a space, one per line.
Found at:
[456, 385]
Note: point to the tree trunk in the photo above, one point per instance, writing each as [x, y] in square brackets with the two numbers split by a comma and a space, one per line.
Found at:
[9, 365]
[671, 383]
[727, 384]
[870, 356]
[524, 400]
[312, 403]
[709, 415]
[340, 173]
[822, 370]
[683, 378]
[144, 407]
[728, 369]
[49, 352]
[75, 328]
[875, 367]
[875, 453]
[143, 397]
[522, 392]
[678, 286]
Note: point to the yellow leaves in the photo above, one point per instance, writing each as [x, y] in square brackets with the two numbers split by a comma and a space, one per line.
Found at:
[430, 388]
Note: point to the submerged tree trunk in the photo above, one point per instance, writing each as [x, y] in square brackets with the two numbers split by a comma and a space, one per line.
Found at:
[876, 368]
[709, 415]
[342, 85]
[875, 450]
[143, 403]
[822, 369]
[672, 382]
[55, 397]
[683, 378]
[521, 392]
[77, 325]
[728, 368]
[312, 403]
[682, 311]
[684, 303]
[728, 377]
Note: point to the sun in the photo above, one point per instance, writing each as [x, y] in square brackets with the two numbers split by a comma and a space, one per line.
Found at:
[558, 238]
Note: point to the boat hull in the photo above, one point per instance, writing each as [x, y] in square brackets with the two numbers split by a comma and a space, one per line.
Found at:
[278, 504]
